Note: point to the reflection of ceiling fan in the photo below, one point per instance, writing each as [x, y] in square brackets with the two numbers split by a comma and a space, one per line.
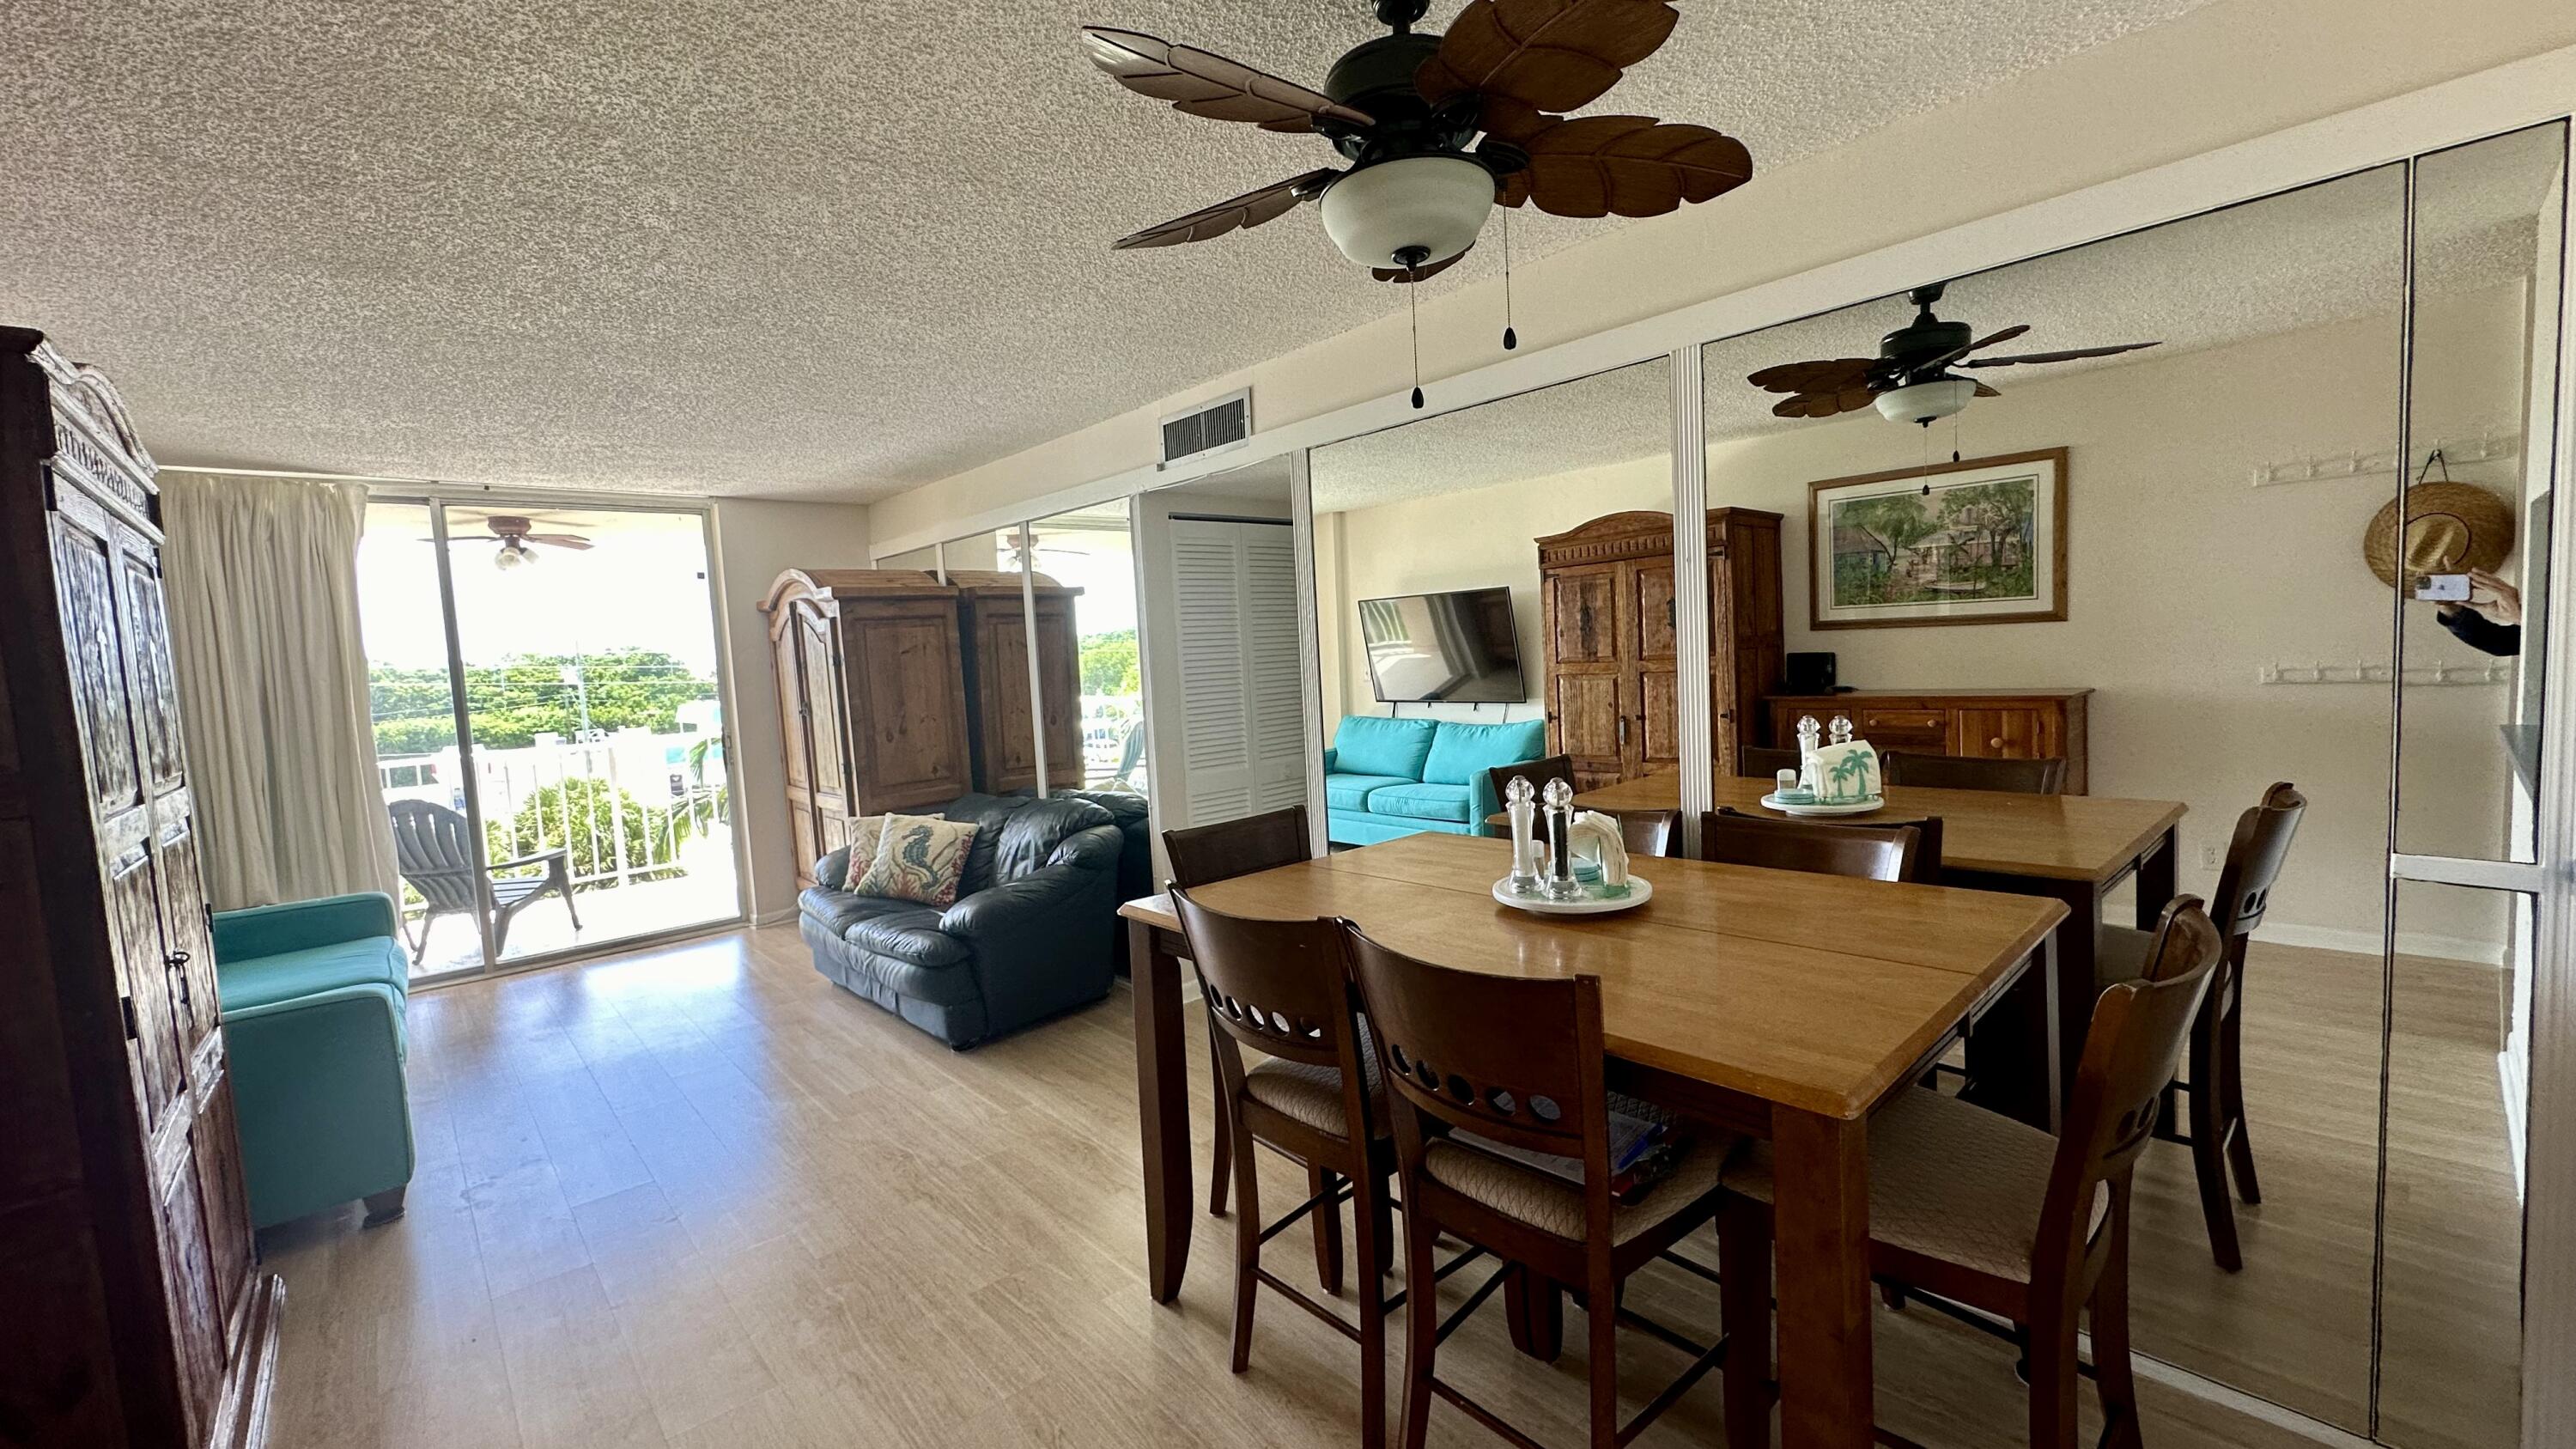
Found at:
[515, 538]
[1910, 380]
[1407, 110]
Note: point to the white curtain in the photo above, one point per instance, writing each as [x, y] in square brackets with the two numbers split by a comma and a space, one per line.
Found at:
[262, 577]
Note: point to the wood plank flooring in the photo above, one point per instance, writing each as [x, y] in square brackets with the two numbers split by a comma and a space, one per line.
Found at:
[698, 1196]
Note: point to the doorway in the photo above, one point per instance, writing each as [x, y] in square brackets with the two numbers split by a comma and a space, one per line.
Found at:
[547, 698]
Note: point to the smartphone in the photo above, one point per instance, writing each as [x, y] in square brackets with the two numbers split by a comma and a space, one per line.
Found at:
[2443, 588]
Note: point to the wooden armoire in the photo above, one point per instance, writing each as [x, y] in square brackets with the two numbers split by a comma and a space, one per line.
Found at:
[136, 1314]
[1606, 610]
[871, 699]
[995, 624]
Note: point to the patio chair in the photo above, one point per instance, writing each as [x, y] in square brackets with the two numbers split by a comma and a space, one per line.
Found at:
[434, 850]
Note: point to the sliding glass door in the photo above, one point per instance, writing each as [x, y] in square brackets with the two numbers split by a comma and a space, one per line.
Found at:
[580, 795]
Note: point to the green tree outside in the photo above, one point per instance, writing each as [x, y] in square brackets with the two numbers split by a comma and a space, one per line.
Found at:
[1109, 663]
[585, 814]
[525, 695]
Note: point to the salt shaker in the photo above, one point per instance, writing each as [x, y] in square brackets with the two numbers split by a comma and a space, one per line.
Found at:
[1521, 802]
[1810, 734]
[1560, 821]
[1840, 731]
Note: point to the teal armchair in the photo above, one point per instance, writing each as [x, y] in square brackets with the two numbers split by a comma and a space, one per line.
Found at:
[314, 995]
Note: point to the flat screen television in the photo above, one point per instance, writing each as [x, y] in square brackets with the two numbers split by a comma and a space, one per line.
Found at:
[1453, 648]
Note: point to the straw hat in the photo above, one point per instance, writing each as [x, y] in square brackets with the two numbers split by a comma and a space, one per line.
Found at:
[2451, 528]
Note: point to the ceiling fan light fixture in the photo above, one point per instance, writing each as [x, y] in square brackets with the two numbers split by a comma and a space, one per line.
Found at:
[1925, 401]
[1433, 204]
[513, 554]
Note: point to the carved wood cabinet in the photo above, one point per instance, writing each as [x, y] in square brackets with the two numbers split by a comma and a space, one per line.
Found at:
[871, 676]
[1609, 654]
[135, 1310]
[995, 624]
[2029, 724]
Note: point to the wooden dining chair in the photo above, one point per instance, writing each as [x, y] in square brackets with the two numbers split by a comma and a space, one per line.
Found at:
[1961, 772]
[1927, 837]
[1649, 832]
[1283, 989]
[1538, 772]
[1755, 762]
[2216, 1133]
[1869, 852]
[1203, 854]
[1969, 1207]
[1502, 1140]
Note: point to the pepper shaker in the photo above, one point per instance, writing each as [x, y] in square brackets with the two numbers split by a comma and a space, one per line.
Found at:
[1560, 822]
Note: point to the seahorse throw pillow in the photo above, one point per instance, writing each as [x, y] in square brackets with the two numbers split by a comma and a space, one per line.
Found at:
[919, 858]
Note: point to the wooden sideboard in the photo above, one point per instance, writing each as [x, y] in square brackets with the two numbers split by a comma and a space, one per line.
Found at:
[2024, 724]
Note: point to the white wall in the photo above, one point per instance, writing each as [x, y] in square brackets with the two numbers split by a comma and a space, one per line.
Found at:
[2227, 72]
[2184, 580]
[755, 542]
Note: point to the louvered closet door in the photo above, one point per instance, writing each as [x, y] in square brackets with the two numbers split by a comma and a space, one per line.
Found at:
[1243, 746]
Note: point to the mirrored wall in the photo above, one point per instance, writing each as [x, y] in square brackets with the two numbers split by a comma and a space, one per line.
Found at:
[1492, 586]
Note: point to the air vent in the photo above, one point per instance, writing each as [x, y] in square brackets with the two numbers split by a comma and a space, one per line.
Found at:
[1225, 423]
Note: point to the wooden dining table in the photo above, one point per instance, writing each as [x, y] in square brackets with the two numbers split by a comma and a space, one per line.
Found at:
[1779, 1005]
[2069, 848]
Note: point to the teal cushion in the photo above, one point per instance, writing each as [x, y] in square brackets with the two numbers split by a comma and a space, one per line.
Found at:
[262, 980]
[1368, 744]
[1462, 753]
[1421, 802]
[1351, 792]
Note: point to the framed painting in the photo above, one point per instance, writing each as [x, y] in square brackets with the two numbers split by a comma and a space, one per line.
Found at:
[1978, 542]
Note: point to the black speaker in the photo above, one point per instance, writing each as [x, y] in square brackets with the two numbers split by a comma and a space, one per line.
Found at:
[1811, 673]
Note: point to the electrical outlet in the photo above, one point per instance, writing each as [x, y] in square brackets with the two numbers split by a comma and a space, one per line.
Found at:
[2209, 856]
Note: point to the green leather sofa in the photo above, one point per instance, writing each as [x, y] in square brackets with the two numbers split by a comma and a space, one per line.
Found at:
[1386, 777]
[313, 997]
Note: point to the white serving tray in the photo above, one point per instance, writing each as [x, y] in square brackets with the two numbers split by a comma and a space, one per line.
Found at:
[1773, 801]
[1640, 891]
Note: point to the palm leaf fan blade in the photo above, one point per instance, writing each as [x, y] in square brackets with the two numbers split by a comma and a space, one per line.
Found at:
[1555, 55]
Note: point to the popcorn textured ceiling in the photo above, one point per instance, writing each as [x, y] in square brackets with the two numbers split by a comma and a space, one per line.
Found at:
[794, 249]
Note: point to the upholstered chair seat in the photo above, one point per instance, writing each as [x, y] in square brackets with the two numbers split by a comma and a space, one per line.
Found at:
[1313, 1094]
[1948, 1181]
[1554, 1205]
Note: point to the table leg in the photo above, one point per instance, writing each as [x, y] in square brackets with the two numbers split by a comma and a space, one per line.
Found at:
[1535, 1308]
[2156, 878]
[1162, 1109]
[1820, 1174]
[2013, 1063]
[2076, 947]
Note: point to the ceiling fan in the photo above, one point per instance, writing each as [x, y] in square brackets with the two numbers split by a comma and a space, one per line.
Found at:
[1910, 380]
[515, 537]
[1439, 128]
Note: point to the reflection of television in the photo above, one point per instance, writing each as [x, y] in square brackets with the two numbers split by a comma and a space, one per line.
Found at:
[1457, 648]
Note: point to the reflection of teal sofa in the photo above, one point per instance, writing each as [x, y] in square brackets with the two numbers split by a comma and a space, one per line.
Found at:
[1389, 777]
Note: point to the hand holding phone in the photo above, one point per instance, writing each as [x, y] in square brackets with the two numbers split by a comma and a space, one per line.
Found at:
[2443, 588]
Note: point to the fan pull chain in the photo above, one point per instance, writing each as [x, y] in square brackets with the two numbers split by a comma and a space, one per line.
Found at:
[1927, 457]
[1954, 437]
[1511, 339]
[1413, 309]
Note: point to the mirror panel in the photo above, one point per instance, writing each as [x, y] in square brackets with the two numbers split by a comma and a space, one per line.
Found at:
[1436, 612]
[2135, 563]
[1092, 679]
[925, 559]
[2489, 223]
[1001, 718]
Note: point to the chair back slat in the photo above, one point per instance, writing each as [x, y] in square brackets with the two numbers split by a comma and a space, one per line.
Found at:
[1869, 852]
[1758, 762]
[1537, 772]
[1648, 832]
[2131, 1053]
[433, 853]
[2254, 859]
[1229, 848]
[1280, 987]
[1927, 837]
[1962, 772]
[1515, 1059]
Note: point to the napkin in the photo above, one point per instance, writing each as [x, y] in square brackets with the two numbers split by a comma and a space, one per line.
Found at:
[1603, 834]
[1845, 773]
